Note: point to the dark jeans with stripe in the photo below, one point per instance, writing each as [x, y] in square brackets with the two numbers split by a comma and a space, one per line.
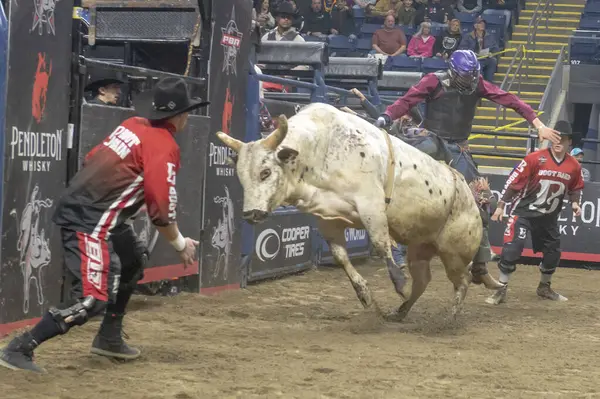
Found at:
[545, 237]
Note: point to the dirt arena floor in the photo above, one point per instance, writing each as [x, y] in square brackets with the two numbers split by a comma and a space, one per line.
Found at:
[307, 336]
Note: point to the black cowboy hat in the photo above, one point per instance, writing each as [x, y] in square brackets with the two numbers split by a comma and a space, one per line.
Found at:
[169, 97]
[564, 128]
[285, 8]
[101, 78]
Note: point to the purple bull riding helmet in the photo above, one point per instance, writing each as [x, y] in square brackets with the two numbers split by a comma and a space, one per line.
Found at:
[464, 71]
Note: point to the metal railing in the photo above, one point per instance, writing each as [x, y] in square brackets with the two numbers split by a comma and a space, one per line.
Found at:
[543, 10]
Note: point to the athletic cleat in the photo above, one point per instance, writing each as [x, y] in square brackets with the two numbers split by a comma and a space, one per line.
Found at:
[498, 297]
[18, 354]
[545, 291]
[109, 340]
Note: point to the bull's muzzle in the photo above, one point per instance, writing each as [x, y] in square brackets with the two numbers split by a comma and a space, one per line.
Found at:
[255, 216]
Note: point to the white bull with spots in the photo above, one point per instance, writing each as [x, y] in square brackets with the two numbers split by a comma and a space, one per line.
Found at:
[333, 165]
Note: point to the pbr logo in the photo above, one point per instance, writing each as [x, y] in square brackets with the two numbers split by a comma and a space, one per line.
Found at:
[231, 42]
[44, 15]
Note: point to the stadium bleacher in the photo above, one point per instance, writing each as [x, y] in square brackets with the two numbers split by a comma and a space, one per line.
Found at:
[584, 44]
[366, 26]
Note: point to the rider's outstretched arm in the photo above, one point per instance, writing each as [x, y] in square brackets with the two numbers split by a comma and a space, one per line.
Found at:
[496, 94]
[414, 96]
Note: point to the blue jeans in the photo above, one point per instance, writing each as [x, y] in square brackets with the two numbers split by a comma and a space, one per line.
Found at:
[489, 66]
[398, 254]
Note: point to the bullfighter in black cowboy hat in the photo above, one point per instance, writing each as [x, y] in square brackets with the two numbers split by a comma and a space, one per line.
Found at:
[135, 166]
[537, 188]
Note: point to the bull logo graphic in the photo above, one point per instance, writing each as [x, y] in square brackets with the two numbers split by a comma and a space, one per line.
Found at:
[227, 111]
[33, 246]
[44, 15]
[231, 42]
[40, 87]
[223, 235]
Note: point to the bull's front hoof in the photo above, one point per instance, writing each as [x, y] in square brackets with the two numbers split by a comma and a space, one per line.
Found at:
[397, 316]
[364, 294]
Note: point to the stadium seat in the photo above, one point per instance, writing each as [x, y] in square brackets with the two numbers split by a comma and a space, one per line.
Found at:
[592, 8]
[376, 20]
[497, 31]
[466, 30]
[363, 46]
[368, 29]
[403, 63]
[409, 31]
[584, 51]
[436, 31]
[309, 38]
[340, 45]
[358, 12]
[465, 17]
[590, 22]
[495, 25]
[430, 65]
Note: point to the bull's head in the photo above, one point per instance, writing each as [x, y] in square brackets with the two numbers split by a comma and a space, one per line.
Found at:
[260, 166]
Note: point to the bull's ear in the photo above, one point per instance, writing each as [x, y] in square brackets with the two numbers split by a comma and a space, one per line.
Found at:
[287, 154]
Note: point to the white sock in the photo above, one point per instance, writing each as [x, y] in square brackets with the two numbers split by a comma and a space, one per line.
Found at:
[504, 278]
[545, 278]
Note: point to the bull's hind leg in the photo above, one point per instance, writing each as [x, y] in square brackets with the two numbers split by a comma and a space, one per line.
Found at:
[374, 218]
[333, 232]
[458, 273]
[418, 258]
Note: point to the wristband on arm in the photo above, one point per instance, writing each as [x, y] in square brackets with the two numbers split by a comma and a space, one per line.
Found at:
[178, 243]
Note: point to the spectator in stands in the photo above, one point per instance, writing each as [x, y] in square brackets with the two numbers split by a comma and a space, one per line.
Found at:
[284, 15]
[298, 21]
[437, 13]
[363, 3]
[578, 154]
[421, 44]
[264, 19]
[388, 41]
[317, 23]
[342, 21]
[469, 6]
[381, 8]
[484, 46]
[448, 41]
[405, 13]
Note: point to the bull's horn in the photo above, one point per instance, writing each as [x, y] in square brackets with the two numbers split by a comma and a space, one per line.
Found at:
[273, 140]
[230, 142]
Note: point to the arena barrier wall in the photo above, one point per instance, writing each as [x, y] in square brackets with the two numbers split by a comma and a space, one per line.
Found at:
[579, 236]
[3, 84]
[358, 245]
[222, 235]
[281, 245]
[35, 148]
[97, 122]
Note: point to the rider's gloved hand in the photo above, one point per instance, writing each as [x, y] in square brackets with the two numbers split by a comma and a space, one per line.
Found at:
[383, 121]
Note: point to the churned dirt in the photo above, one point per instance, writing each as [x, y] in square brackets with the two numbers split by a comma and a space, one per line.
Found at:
[306, 336]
